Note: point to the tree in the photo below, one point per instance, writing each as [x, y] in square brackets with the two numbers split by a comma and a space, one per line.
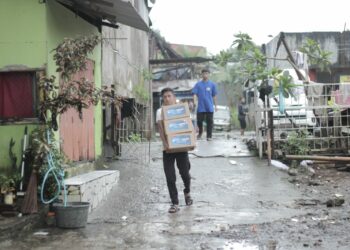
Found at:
[316, 55]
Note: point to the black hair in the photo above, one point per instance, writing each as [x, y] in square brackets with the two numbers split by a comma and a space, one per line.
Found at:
[205, 70]
[167, 90]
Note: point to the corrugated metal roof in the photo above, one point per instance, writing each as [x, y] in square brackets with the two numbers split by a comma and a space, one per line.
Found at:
[115, 11]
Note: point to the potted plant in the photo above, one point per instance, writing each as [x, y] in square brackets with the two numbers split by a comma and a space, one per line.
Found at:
[8, 187]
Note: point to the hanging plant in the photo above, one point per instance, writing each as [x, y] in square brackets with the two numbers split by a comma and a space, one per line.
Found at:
[71, 57]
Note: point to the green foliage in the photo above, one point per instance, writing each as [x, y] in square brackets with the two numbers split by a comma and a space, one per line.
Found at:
[134, 137]
[70, 57]
[296, 143]
[287, 85]
[8, 182]
[224, 57]
[243, 42]
[10, 178]
[39, 148]
[71, 54]
[316, 55]
[12, 156]
[140, 89]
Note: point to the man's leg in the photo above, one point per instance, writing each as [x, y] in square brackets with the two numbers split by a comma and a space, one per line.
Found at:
[209, 120]
[184, 165]
[169, 170]
[200, 119]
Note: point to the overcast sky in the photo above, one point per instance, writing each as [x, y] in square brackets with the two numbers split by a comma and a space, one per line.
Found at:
[212, 23]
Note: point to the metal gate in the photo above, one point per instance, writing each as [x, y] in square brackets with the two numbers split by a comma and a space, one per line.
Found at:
[129, 132]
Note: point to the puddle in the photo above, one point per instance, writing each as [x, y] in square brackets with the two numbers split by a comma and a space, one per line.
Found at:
[230, 245]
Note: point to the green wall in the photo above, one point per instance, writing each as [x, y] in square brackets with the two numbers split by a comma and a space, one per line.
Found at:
[29, 32]
[63, 23]
[22, 44]
[23, 33]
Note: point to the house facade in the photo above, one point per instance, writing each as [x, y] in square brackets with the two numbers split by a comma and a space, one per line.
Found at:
[31, 29]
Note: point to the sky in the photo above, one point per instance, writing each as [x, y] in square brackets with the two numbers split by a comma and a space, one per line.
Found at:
[213, 23]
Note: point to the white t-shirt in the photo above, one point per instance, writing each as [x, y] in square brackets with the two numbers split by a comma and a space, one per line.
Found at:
[159, 115]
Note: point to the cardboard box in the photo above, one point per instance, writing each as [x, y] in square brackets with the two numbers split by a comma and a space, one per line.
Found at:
[181, 142]
[175, 111]
[180, 125]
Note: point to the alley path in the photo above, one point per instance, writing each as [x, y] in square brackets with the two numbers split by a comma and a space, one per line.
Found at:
[233, 196]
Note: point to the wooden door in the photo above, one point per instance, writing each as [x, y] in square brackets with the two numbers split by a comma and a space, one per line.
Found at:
[78, 136]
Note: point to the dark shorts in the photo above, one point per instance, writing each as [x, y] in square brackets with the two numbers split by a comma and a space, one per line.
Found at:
[242, 123]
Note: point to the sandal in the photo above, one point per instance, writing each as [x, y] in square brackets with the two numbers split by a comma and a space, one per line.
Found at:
[173, 209]
[188, 199]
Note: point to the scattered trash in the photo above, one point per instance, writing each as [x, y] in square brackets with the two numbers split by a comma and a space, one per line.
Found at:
[337, 201]
[306, 165]
[279, 165]
[294, 220]
[40, 233]
[155, 190]
[233, 162]
[304, 202]
[198, 219]
[293, 172]
[319, 219]
[124, 218]
[238, 246]
[313, 183]
[221, 227]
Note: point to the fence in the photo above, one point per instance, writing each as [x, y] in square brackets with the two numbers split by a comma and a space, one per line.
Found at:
[321, 110]
[128, 137]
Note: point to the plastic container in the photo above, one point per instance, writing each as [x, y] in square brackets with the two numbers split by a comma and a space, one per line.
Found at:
[74, 215]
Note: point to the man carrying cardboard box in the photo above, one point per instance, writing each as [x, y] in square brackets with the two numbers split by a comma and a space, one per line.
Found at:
[169, 157]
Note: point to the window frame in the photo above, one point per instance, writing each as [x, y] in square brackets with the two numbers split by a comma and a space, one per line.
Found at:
[37, 117]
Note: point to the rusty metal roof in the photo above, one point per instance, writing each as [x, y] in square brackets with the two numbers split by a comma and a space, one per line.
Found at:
[114, 11]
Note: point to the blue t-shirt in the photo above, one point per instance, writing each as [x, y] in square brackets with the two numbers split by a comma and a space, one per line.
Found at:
[205, 92]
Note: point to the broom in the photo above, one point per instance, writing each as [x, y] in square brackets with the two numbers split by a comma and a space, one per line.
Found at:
[30, 201]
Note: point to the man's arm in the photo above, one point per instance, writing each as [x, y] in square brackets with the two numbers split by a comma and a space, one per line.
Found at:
[195, 100]
[162, 134]
[216, 107]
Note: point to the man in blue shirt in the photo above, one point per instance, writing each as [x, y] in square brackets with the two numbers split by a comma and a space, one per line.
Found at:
[205, 92]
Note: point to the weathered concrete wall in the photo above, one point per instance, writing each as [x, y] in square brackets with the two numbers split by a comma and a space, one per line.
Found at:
[124, 54]
[328, 41]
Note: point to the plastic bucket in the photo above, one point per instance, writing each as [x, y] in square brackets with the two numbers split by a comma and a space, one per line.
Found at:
[74, 215]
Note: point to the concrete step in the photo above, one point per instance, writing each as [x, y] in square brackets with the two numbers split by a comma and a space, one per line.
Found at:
[91, 187]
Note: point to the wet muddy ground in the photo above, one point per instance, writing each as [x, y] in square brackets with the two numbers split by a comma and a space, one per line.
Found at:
[239, 203]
